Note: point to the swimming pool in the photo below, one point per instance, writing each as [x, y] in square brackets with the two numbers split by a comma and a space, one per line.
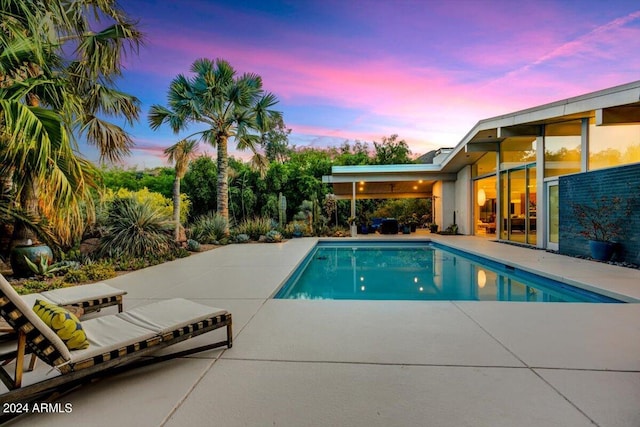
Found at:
[419, 270]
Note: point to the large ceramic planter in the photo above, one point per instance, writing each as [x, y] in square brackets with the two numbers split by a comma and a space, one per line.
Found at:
[602, 251]
[33, 253]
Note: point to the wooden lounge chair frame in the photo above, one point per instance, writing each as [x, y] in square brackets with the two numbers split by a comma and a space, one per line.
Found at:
[43, 342]
[95, 301]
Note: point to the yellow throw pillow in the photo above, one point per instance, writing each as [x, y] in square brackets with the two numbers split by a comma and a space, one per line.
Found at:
[65, 324]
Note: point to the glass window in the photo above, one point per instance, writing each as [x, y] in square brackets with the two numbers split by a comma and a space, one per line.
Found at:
[517, 151]
[518, 211]
[613, 145]
[485, 206]
[486, 164]
[554, 214]
[504, 205]
[562, 148]
[532, 210]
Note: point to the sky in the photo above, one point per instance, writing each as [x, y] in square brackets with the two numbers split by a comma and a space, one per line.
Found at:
[362, 69]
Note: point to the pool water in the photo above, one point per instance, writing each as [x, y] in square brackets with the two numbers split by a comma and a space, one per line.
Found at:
[418, 271]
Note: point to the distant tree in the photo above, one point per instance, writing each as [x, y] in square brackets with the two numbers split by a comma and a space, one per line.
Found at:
[230, 107]
[358, 154]
[275, 142]
[199, 183]
[159, 180]
[392, 151]
[180, 154]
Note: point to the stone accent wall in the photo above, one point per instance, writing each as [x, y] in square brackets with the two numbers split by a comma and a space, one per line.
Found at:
[583, 188]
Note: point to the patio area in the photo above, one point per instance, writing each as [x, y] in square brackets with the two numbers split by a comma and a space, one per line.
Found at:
[377, 363]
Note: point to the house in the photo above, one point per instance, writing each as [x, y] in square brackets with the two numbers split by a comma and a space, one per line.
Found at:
[513, 177]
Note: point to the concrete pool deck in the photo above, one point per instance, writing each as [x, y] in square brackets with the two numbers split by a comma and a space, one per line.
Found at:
[377, 363]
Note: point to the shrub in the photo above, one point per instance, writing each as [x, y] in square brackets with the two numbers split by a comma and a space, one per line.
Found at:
[208, 228]
[156, 200]
[99, 271]
[242, 238]
[91, 272]
[254, 227]
[129, 264]
[273, 236]
[135, 229]
[181, 253]
[193, 245]
[31, 286]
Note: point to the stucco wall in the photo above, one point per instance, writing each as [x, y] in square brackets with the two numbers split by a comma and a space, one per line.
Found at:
[463, 200]
[444, 192]
[586, 187]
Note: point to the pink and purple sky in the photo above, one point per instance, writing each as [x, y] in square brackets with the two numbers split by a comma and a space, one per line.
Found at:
[362, 69]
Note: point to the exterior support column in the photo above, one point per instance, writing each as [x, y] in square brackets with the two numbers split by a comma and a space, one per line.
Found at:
[541, 197]
[584, 145]
[353, 199]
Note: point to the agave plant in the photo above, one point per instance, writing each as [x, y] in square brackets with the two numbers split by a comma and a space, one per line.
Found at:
[255, 227]
[43, 268]
[136, 229]
[209, 228]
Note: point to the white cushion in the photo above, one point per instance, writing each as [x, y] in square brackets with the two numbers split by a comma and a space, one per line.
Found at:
[109, 333]
[77, 294]
[30, 299]
[169, 315]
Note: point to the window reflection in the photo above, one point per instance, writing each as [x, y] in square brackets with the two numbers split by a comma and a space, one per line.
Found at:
[562, 148]
[613, 145]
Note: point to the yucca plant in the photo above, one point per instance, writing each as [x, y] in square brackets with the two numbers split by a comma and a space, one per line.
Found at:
[135, 229]
[255, 227]
[208, 228]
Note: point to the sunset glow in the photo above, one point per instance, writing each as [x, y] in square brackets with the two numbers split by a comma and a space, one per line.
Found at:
[426, 70]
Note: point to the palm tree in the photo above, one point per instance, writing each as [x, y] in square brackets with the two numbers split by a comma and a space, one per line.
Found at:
[56, 77]
[230, 106]
[181, 154]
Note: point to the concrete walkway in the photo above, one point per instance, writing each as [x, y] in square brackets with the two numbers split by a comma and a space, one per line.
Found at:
[378, 363]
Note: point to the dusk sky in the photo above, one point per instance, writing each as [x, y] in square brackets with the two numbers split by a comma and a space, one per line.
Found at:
[354, 69]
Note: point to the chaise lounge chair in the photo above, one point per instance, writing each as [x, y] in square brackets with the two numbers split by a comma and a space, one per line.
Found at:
[115, 341]
[89, 298]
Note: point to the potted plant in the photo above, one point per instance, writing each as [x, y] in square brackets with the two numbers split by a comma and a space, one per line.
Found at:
[433, 227]
[602, 223]
[364, 224]
[413, 222]
[352, 225]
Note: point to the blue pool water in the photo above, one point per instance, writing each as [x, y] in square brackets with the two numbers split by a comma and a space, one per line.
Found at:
[418, 271]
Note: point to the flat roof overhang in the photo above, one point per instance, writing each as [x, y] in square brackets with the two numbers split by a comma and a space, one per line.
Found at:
[386, 181]
[613, 106]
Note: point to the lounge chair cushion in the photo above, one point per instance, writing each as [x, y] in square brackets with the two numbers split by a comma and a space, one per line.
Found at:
[74, 295]
[170, 315]
[30, 299]
[109, 334]
[65, 324]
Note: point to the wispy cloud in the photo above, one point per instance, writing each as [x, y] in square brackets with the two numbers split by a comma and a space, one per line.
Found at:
[427, 71]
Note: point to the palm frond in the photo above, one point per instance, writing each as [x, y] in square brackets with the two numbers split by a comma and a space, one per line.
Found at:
[112, 141]
[112, 102]
[29, 134]
[181, 153]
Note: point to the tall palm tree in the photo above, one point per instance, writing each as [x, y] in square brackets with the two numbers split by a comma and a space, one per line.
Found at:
[57, 82]
[230, 106]
[181, 154]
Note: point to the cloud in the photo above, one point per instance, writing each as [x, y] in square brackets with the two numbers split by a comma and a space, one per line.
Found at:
[431, 88]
